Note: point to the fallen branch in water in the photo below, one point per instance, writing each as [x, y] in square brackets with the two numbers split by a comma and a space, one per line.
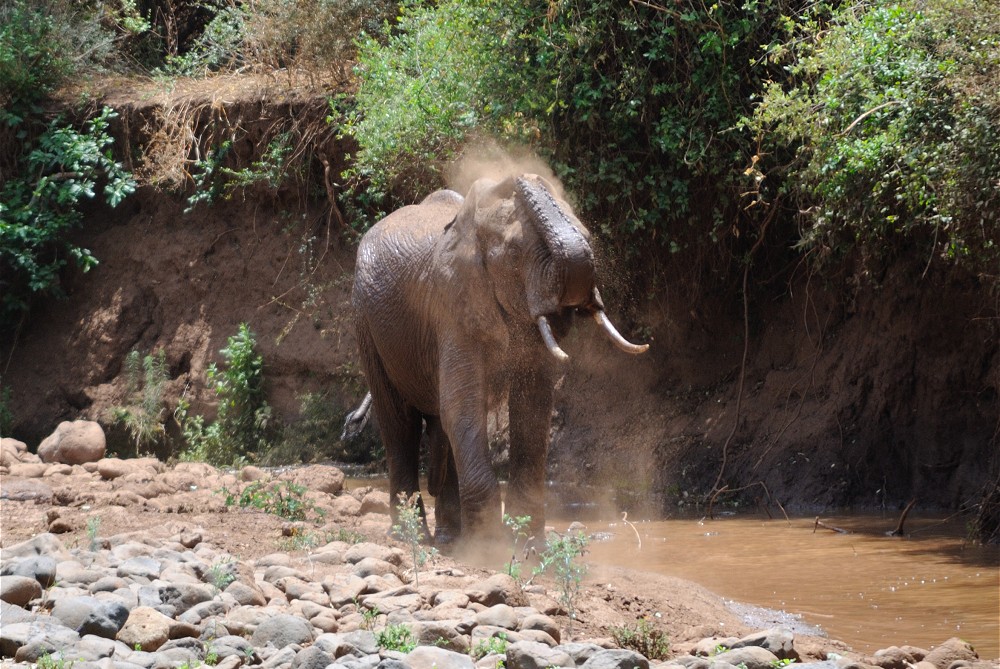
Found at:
[898, 532]
[820, 523]
[625, 520]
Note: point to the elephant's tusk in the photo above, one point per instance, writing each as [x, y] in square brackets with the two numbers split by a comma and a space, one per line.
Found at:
[550, 340]
[620, 341]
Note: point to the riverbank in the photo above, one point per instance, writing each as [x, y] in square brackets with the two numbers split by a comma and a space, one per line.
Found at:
[150, 548]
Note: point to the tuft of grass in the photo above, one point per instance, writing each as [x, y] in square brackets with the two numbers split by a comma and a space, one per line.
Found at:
[643, 637]
[396, 637]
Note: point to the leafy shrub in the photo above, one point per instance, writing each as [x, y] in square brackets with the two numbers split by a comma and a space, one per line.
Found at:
[636, 104]
[642, 637]
[144, 412]
[243, 426]
[60, 170]
[422, 91]
[218, 46]
[893, 111]
[315, 435]
[560, 559]
[313, 33]
[396, 637]
[283, 499]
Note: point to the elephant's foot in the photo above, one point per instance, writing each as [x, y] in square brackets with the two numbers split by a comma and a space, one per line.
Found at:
[445, 537]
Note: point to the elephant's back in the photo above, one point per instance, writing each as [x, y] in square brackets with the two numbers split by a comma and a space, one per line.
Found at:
[393, 296]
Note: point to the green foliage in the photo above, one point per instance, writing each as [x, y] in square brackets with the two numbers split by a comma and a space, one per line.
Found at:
[93, 529]
[422, 90]
[221, 574]
[409, 528]
[218, 46]
[313, 33]
[283, 499]
[893, 112]
[517, 526]
[315, 435]
[396, 637]
[643, 637]
[636, 104]
[781, 664]
[242, 427]
[144, 412]
[40, 205]
[54, 661]
[32, 59]
[560, 559]
[369, 617]
[495, 645]
[213, 180]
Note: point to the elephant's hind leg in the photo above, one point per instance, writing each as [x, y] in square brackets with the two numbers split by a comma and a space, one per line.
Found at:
[400, 426]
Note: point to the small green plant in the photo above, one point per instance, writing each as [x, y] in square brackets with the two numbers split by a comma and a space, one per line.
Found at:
[643, 637]
[242, 427]
[144, 412]
[284, 499]
[369, 617]
[49, 661]
[719, 649]
[495, 645]
[409, 528]
[517, 526]
[93, 528]
[781, 664]
[396, 637]
[560, 557]
[221, 574]
[214, 181]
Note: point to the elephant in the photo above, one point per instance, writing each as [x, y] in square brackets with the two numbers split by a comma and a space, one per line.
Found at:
[460, 303]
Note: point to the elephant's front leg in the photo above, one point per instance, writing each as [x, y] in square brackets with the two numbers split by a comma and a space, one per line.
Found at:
[442, 483]
[530, 406]
[463, 417]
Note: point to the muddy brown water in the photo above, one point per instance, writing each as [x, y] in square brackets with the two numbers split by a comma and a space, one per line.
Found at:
[863, 587]
[860, 586]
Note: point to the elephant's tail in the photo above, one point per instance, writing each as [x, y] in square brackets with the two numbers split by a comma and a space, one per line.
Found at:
[357, 419]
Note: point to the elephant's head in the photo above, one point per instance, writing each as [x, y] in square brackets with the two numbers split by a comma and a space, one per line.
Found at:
[537, 255]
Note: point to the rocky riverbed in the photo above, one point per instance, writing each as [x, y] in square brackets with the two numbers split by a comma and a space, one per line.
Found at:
[131, 564]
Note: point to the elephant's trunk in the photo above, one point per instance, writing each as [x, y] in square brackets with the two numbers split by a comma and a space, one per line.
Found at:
[569, 267]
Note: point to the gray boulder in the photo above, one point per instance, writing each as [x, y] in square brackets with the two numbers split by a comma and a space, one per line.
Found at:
[618, 658]
[778, 640]
[42, 568]
[282, 630]
[534, 655]
[751, 657]
[88, 615]
[432, 657]
[15, 636]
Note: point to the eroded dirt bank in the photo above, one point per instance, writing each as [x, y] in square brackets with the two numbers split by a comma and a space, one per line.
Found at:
[865, 391]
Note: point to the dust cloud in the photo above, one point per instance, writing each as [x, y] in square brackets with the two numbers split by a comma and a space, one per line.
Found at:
[487, 159]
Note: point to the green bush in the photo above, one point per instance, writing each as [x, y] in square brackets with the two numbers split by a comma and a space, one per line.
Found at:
[143, 414]
[40, 205]
[635, 104]
[423, 90]
[893, 113]
[243, 428]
